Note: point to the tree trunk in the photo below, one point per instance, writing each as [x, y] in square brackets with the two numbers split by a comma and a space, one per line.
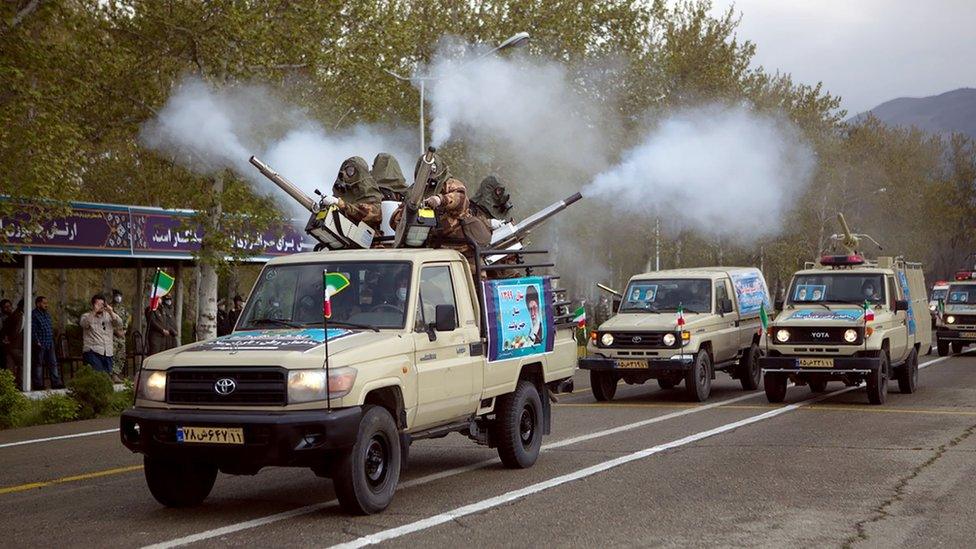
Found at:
[207, 315]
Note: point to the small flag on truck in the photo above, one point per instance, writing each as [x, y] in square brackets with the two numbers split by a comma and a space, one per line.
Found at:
[580, 317]
[868, 313]
[681, 316]
[332, 283]
[763, 317]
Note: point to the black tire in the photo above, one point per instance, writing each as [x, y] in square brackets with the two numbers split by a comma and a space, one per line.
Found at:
[603, 384]
[518, 426]
[750, 374]
[666, 383]
[908, 374]
[775, 387]
[366, 476]
[878, 381]
[943, 347]
[957, 347]
[698, 380]
[179, 483]
[817, 385]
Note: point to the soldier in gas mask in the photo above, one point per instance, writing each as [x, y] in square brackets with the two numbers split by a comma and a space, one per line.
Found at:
[492, 203]
[389, 177]
[356, 194]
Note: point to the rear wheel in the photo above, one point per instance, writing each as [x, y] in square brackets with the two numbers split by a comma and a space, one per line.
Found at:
[750, 375]
[603, 384]
[366, 476]
[775, 387]
[958, 346]
[908, 375]
[878, 381]
[817, 385]
[698, 380]
[943, 347]
[178, 483]
[518, 426]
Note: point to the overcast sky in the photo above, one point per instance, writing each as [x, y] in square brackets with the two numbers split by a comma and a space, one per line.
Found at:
[866, 51]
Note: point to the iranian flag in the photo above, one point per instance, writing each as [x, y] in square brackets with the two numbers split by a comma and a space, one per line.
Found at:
[580, 317]
[868, 313]
[332, 283]
[681, 316]
[161, 285]
[763, 317]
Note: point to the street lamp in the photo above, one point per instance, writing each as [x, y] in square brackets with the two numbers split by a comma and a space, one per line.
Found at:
[514, 41]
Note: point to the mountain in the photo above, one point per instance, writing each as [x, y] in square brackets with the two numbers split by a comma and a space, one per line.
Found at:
[953, 111]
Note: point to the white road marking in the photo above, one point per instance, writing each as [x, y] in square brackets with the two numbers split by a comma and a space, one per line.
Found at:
[61, 437]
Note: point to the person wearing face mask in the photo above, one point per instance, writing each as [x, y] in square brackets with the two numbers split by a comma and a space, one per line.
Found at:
[162, 327]
[869, 291]
[356, 194]
[98, 332]
[119, 358]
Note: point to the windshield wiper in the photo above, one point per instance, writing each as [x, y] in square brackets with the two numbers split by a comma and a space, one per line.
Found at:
[640, 309]
[347, 323]
[278, 321]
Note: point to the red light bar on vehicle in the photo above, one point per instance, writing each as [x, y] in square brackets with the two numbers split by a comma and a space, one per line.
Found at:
[836, 260]
[965, 275]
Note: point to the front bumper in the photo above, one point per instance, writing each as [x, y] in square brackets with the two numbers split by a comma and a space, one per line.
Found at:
[969, 336]
[654, 366]
[838, 365]
[299, 438]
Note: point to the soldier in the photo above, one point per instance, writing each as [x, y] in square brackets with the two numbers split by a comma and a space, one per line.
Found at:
[119, 358]
[491, 203]
[389, 177]
[356, 194]
[162, 326]
[603, 311]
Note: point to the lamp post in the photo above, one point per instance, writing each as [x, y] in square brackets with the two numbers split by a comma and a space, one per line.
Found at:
[514, 41]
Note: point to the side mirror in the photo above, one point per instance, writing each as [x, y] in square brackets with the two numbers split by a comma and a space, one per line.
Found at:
[445, 318]
[725, 305]
[778, 304]
[901, 305]
[616, 304]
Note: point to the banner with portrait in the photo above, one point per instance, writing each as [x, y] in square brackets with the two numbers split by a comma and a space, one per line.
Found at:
[520, 317]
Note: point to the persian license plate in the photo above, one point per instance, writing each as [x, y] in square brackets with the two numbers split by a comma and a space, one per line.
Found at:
[210, 435]
[968, 335]
[631, 364]
[815, 362]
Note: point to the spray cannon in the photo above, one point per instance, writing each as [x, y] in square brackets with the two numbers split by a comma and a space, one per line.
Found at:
[417, 222]
[851, 241]
[510, 233]
[333, 230]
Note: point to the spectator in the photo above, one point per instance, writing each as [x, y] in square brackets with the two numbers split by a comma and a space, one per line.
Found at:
[98, 327]
[13, 338]
[119, 358]
[235, 313]
[42, 334]
[6, 308]
[223, 318]
[162, 327]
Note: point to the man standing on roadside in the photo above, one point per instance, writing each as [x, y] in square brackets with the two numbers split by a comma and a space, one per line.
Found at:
[98, 328]
[235, 313]
[162, 327]
[119, 358]
[42, 332]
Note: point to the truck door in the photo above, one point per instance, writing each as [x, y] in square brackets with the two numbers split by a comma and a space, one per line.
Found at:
[445, 369]
[726, 340]
[898, 340]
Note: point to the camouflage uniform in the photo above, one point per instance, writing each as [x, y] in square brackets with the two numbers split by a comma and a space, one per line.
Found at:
[389, 177]
[491, 204]
[359, 197]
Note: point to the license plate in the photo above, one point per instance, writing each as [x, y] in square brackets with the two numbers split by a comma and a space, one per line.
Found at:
[631, 364]
[968, 335]
[815, 362]
[210, 435]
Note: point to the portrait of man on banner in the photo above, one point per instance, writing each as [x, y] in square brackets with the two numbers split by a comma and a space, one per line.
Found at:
[520, 317]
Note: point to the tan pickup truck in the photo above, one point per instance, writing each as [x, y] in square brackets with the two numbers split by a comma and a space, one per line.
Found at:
[416, 349]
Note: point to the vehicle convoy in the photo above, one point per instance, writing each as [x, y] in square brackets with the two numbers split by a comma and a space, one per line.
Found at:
[851, 320]
[681, 325]
[342, 358]
[957, 328]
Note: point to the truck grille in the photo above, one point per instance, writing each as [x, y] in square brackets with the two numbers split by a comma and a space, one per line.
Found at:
[964, 320]
[832, 336]
[252, 386]
[641, 340]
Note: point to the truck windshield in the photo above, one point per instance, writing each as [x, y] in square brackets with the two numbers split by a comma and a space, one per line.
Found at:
[693, 295]
[291, 296]
[962, 293]
[837, 288]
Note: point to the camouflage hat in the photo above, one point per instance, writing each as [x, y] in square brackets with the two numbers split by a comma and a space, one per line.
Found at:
[355, 183]
[387, 173]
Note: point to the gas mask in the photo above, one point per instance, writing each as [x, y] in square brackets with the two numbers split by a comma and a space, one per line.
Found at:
[502, 200]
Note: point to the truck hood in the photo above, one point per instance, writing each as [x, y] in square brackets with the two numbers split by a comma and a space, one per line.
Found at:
[292, 349]
[653, 322]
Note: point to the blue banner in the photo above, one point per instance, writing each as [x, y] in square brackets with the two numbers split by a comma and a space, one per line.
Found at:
[750, 291]
[903, 280]
[270, 340]
[851, 315]
[520, 317]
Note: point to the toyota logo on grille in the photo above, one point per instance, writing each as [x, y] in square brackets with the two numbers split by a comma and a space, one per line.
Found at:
[225, 386]
[637, 339]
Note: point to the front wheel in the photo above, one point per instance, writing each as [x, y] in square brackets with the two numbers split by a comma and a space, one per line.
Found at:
[750, 375]
[698, 380]
[179, 483]
[603, 384]
[957, 347]
[775, 387]
[518, 426]
[908, 375]
[943, 347]
[366, 475]
[878, 382]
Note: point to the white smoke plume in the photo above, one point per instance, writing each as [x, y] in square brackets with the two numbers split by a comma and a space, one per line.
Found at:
[208, 130]
[724, 171]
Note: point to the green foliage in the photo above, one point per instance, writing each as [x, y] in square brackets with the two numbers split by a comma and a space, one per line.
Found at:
[123, 399]
[11, 400]
[93, 391]
[58, 409]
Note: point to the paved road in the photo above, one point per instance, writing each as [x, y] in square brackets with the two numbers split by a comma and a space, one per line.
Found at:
[647, 469]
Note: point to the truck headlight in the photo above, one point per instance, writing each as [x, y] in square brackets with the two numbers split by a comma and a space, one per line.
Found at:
[152, 385]
[310, 385]
[668, 339]
[950, 319]
[606, 340]
[850, 335]
[782, 336]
